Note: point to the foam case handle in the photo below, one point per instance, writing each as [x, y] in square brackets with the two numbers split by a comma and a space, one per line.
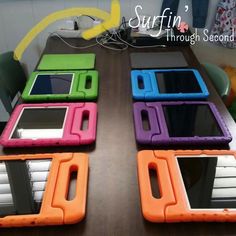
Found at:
[145, 136]
[89, 135]
[138, 77]
[74, 210]
[154, 208]
[90, 93]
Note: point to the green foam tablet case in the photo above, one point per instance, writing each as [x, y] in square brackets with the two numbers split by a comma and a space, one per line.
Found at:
[67, 62]
[83, 85]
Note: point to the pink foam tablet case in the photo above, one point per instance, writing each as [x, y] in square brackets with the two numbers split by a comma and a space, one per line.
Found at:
[51, 124]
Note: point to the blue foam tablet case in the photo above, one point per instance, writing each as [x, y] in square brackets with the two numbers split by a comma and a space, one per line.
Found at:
[150, 90]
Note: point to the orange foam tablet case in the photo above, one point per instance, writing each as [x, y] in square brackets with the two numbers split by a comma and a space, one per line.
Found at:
[34, 189]
[193, 185]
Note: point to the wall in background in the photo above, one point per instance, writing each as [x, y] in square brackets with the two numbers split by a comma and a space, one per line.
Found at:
[17, 17]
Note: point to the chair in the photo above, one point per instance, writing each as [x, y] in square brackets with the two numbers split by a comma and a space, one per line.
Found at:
[219, 79]
[12, 81]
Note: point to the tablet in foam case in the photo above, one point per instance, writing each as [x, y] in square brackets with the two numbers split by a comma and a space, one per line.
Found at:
[185, 123]
[168, 84]
[35, 189]
[193, 185]
[61, 86]
[51, 124]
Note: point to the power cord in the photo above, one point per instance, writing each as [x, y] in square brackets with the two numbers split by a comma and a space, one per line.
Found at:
[70, 45]
[107, 41]
[112, 41]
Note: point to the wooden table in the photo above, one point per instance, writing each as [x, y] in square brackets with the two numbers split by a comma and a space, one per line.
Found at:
[113, 203]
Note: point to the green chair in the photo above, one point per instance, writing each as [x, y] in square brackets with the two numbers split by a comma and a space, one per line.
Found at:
[12, 81]
[219, 79]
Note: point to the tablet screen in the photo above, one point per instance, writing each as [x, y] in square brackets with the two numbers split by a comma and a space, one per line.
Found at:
[22, 186]
[191, 120]
[36, 123]
[52, 84]
[177, 82]
[210, 182]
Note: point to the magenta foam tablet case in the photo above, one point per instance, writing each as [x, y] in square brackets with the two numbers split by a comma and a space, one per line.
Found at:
[158, 133]
[73, 132]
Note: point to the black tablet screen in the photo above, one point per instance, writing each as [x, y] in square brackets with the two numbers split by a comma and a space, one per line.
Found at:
[210, 182]
[52, 84]
[190, 120]
[177, 82]
[22, 186]
[40, 123]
